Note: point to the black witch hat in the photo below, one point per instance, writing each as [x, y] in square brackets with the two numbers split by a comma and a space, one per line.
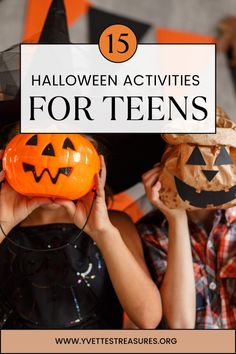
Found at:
[55, 30]
[125, 156]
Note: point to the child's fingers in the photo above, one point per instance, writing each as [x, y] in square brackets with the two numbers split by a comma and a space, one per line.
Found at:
[100, 178]
[100, 192]
[149, 173]
[152, 191]
[149, 182]
[2, 175]
[35, 203]
[5, 188]
[157, 186]
[155, 196]
[68, 205]
[157, 164]
[103, 171]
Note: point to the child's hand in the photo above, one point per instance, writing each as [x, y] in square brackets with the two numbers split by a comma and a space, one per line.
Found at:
[15, 207]
[152, 187]
[98, 221]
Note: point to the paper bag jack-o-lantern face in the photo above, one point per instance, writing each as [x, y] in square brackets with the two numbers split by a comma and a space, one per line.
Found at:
[199, 171]
[51, 165]
[199, 177]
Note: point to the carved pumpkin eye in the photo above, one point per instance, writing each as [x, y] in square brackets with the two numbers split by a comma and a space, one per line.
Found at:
[196, 157]
[68, 144]
[28, 167]
[223, 158]
[48, 150]
[33, 140]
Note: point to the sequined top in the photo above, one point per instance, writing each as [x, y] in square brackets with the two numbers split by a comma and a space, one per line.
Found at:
[65, 288]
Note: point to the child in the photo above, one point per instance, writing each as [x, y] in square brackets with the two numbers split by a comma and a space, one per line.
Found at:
[81, 283]
[193, 253]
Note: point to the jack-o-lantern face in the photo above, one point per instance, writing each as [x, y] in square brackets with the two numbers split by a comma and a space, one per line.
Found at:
[52, 165]
[199, 170]
[199, 176]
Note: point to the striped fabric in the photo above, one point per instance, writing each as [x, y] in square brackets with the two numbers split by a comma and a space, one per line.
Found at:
[133, 201]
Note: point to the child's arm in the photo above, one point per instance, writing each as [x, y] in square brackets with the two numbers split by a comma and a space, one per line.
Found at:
[178, 286]
[118, 240]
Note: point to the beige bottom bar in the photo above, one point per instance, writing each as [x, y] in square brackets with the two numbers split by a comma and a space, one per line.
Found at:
[117, 341]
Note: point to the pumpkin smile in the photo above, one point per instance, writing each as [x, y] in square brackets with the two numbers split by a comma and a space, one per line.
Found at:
[204, 198]
[61, 171]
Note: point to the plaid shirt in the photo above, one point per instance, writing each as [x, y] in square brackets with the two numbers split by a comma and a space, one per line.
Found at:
[214, 261]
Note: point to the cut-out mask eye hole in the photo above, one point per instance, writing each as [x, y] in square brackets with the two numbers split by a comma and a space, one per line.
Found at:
[33, 140]
[196, 157]
[68, 144]
[223, 158]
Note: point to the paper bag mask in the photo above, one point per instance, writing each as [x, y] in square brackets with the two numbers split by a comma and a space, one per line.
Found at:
[199, 170]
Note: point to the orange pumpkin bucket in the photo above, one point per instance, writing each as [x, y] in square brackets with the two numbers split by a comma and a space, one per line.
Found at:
[51, 165]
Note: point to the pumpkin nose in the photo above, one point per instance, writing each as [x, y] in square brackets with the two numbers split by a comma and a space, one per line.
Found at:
[48, 150]
[209, 174]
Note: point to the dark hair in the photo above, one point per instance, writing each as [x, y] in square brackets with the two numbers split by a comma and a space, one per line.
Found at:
[7, 132]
